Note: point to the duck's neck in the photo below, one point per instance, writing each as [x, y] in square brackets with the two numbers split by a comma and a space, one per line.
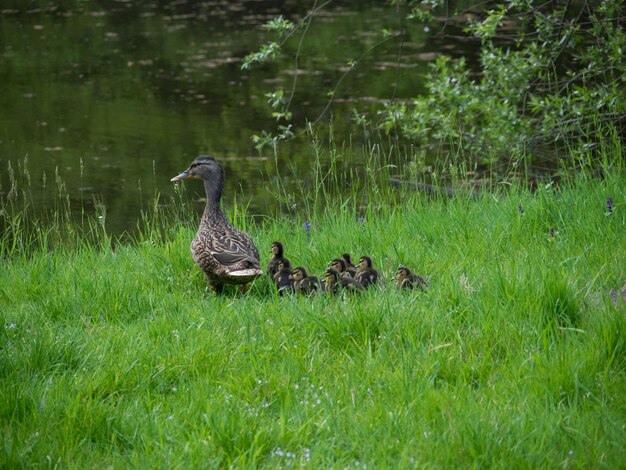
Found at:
[212, 209]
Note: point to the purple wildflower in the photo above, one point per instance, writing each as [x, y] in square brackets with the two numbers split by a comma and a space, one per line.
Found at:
[609, 206]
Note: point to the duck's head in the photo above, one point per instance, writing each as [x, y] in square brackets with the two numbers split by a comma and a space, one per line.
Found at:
[338, 264]
[331, 276]
[365, 262]
[402, 273]
[347, 258]
[204, 168]
[284, 263]
[299, 273]
[277, 249]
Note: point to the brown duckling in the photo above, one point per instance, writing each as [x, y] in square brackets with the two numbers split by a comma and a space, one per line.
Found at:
[303, 283]
[366, 274]
[225, 255]
[405, 279]
[350, 268]
[334, 282]
[618, 294]
[277, 251]
[282, 278]
[340, 265]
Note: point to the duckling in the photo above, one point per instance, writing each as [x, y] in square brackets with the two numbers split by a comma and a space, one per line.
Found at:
[334, 283]
[366, 275]
[405, 279]
[618, 294]
[277, 251]
[303, 283]
[340, 265]
[225, 255]
[351, 268]
[282, 278]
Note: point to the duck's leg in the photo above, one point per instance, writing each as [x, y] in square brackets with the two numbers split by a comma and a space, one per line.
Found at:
[217, 287]
[244, 288]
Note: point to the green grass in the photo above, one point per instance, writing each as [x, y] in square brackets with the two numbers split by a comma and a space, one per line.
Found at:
[514, 358]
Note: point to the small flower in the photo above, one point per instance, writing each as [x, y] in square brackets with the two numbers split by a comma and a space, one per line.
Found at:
[520, 209]
[465, 283]
[307, 228]
[571, 452]
[551, 233]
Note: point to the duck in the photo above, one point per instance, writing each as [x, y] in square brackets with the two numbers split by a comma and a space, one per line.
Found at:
[405, 279]
[366, 274]
[278, 252]
[282, 278]
[334, 282]
[225, 254]
[303, 283]
[340, 265]
[350, 268]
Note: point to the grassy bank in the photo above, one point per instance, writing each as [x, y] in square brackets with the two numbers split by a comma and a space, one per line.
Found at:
[515, 357]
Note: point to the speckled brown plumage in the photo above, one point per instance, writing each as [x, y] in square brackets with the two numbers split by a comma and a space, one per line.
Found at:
[225, 255]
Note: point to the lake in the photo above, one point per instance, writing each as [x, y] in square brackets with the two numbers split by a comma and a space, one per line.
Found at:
[116, 97]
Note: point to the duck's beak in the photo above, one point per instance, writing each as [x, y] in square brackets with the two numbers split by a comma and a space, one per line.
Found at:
[185, 174]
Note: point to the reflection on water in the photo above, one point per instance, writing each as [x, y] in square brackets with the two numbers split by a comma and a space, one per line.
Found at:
[120, 96]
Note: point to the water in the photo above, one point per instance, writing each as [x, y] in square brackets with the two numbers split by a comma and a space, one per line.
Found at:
[119, 96]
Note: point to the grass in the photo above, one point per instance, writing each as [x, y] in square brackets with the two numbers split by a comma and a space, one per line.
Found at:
[117, 355]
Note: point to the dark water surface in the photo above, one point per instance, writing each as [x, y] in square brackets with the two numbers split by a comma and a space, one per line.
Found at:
[120, 96]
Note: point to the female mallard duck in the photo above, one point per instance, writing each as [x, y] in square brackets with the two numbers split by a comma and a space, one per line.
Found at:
[282, 278]
[278, 252]
[225, 254]
[303, 283]
[334, 282]
[405, 279]
[366, 274]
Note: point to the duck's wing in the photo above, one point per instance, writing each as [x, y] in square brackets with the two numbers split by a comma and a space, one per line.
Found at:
[229, 250]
